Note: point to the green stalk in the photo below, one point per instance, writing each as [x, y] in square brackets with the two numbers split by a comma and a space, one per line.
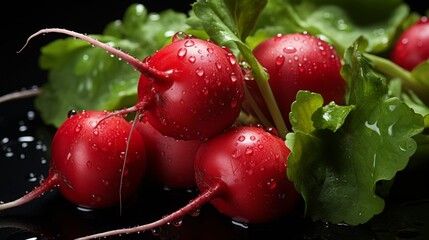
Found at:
[391, 69]
[261, 77]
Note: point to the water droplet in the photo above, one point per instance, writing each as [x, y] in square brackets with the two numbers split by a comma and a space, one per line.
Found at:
[156, 231]
[210, 50]
[341, 25]
[105, 182]
[280, 60]
[233, 77]
[32, 177]
[289, 49]
[78, 128]
[189, 43]
[96, 198]
[192, 59]
[199, 71]
[249, 151]
[236, 154]
[271, 184]
[177, 222]
[278, 37]
[182, 52]
[218, 65]
[231, 58]
[94, 147]
[241, 138]
[179, 36]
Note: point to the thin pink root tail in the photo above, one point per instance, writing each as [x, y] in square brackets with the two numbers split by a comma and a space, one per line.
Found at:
[192, 206]
[122, 112]
[50, 182]
[136, 63]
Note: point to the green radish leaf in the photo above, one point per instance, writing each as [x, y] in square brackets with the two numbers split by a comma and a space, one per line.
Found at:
[337, 163]
[337, 21]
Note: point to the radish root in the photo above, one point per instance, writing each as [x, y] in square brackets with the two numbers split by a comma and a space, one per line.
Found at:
[192, 206]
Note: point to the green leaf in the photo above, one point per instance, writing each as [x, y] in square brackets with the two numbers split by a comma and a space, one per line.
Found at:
[228, 21]
[84, 77]
[331, 116]
[337, 171]
[341, 22]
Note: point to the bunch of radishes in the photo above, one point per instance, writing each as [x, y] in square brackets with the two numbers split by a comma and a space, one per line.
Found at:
[187, 132]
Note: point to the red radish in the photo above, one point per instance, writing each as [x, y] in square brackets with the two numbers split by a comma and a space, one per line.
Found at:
[298, 61]
[242, 172]
[89, 164]
[412, 46]
[190, 89]
[170, 162]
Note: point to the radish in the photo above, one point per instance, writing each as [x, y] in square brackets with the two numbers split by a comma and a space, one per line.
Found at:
[170, 162]
[89, 164]
[412, 46]
[242, 172]
[189, 89]
[298, 61]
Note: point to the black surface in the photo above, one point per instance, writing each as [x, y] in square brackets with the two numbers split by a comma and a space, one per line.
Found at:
[24, 163]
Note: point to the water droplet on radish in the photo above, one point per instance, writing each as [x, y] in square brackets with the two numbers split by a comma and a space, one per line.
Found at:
[199, 71]
[278, 37]
[241, 138]
[94, 147]
[236, 154]
[192, 59]
[280, 60]
[233, 77]
[78, 128]
[249, 151]
[271, 184]
[182, 52]
[96, 198]
[289, 49]
[105, 182]
[231, 58]
[189, 43]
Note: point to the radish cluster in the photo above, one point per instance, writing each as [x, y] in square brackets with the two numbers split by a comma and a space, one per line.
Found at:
[186, 134]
